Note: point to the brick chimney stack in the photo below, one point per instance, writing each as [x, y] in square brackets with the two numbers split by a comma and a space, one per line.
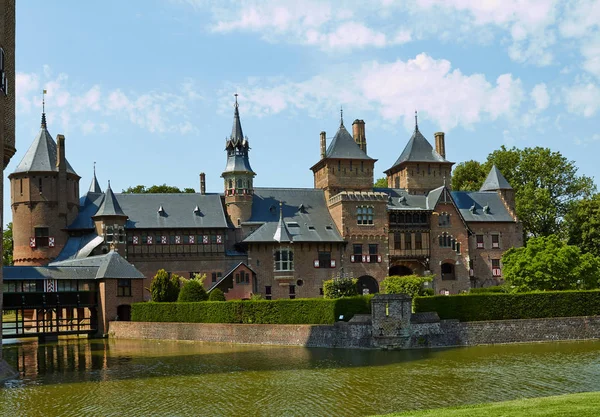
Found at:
[358, 133]
[323, 145]
[61, 163]
[440, 145]
[202, 183]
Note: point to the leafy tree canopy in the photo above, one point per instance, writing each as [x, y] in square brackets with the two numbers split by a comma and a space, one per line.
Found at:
[192, 291]
[157, 189]
[216, 295]
[412, 285]
[7, 245]
[548, 263]
[545, 184]
[164, 288]
[583, 225]
[381, 183]
[340, 287]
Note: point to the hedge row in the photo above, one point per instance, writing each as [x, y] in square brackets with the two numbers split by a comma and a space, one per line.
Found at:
[496, 306]
[300, 311]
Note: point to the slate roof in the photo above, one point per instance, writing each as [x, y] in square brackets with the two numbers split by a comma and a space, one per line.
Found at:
[79, 246]
[282, 234]
[418, 149]
[142, 210]
[110, 205]
[400, 199]
[304, 211]
[237, 147]
[95, 186]
[110, 265]
[343, 146]
[41, 155]
[471, 205]
[495, 181]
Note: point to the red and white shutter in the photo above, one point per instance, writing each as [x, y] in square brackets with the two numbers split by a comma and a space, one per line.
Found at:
[219, 239]
[332, 265]
[150, 240]
[364, 258]
[51, 242]
[163, 240]
[205, 239]
[136, 240]
[351, 258]
[316, 263]
[32, 242]
[496, 272]
[50, 285]
[379, 258]
[177, 240]
[192, 240]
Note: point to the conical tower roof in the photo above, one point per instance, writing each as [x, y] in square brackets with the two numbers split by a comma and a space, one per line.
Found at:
[110, 205]
[343, 145]
[41, 155]
[495, 181]
[95, 186]
[237, 147]
[282, 234]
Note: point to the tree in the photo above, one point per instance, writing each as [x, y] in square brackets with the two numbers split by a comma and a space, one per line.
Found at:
[7, 245]
[216, 295]
[412, 285]
[548, 263]
[545, 185]
[381, 183]
[157, 189]
[192, 291]
[164, 288]
[468, 176]
[583, 225]
[340, 287]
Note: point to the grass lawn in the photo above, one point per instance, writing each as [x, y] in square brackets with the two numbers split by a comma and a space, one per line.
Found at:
[580, 405]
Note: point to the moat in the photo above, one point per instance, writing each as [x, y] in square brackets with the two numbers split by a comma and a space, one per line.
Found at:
[120, 377]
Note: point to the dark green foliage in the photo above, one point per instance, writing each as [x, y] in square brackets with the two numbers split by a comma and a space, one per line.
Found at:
[340, 287]
[548, 263]
[192, 291]
[163, 288]
[496, 289]
[583, 225]
[216, 295]
[157, 189]
[495, 306]
[468, 176]
[7, 245]
[410, 284]
[381, 183]
[301, 311]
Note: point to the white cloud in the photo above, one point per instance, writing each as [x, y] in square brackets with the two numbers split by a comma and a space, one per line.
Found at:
[583, 99]
[394, 90]
[540, 96]
[25, 86]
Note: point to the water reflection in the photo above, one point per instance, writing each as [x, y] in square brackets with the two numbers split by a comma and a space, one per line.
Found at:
[108, 377]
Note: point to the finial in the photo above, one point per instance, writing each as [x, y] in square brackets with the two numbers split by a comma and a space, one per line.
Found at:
[94, 168]
[416, 121]
[44, 109]
[341, 116]
[108, 183]
[236, 102]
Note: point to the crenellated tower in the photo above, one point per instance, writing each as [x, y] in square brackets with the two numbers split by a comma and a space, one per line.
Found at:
[238, 176]
[44, 200]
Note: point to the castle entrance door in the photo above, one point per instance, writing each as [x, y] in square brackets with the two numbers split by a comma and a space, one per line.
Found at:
[367, 285]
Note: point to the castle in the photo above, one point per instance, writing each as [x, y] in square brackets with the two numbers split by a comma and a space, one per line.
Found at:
[276, 242]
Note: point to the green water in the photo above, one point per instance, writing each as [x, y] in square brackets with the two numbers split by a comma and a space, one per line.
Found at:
[144, 378]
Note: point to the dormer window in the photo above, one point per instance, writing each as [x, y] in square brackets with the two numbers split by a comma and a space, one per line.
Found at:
[364, 215]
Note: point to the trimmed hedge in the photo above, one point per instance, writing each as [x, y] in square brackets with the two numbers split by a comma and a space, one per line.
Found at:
[300, 311]
[496, 306]
[486, 290]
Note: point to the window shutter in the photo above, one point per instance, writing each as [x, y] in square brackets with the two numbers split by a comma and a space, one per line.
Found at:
[32, 242]
[364, 258]
[149, 240]
[316, 263]
[379, 258]
[351, 258]
[192, 240]
[163, 240]
[219, 239]
[136, 240]
[50, 242]
[332, 264]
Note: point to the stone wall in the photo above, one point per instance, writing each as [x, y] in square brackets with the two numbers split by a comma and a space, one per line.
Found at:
[340, 335]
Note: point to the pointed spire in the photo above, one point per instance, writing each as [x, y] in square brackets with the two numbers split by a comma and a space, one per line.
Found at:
[416, 122]
[282, 234]
[341, 116]
[95, 186]
[44, 126]
[495, 181]
[110, 205]
[236, 131]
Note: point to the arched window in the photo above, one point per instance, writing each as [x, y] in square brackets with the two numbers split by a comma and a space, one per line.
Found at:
[230, 184]
[448, 271]
[239, 183]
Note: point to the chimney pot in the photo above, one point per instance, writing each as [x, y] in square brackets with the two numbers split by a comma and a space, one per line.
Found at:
[440, 145]
[202, 183]
[323, 144]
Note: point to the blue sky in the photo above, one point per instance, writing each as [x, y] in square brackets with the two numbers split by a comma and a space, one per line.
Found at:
[145, 88]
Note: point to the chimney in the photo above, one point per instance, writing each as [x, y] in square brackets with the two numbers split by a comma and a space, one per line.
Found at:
[61, 163]
[202, 183]
[358, 133]
[323, 145]
[440, 145]
[60, 151]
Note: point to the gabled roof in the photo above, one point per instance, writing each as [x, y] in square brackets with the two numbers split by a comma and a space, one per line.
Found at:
[110, 265]
[282, 234]
[418, 149]
[229, 275]
[495, 181]
[41, 155]
[304, 210]
[343, 146]
[481, 206]
[110, 205]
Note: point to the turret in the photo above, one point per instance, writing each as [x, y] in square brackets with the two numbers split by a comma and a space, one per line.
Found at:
[238, 176]
[495, 181]
[44, 200]
[110, 221]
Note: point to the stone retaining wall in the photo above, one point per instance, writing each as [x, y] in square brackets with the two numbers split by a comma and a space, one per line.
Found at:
[444, 333]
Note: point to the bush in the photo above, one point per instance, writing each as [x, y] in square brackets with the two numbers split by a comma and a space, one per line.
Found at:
[164, 288]
[496, 306]
[300, 311]
[192, 291]
[504, 289]
[340, 287]
[411, 285]
[216, 295]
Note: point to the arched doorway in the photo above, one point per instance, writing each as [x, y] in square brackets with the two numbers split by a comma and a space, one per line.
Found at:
[400, 270]
[448, 271]
[367, 285]
[124, 312]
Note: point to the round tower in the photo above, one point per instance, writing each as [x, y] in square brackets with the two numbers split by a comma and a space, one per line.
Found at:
[238, 176]
[44, 192]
